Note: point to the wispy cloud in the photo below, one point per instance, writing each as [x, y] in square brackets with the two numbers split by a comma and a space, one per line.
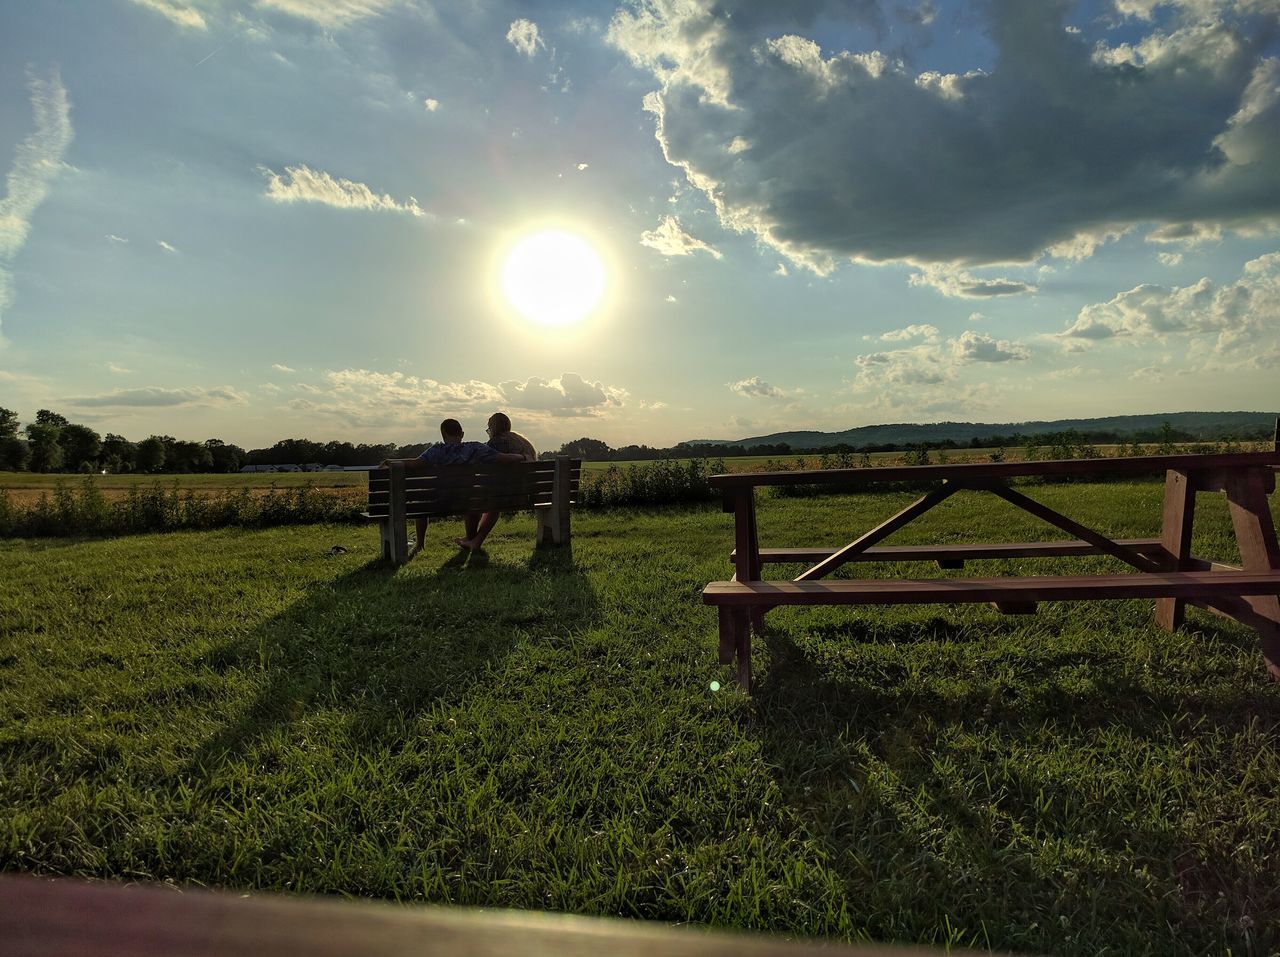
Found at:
[118, 369]
[301, 184]
[165, 246]
[670, 239]
[960, 284]
[280, 367]
[154, 396]
[183, 14]
[329, 13]
[524, 36]
[36, 162]
[116, 239]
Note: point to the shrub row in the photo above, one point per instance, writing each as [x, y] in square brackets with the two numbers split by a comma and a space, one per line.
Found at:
[84, 510]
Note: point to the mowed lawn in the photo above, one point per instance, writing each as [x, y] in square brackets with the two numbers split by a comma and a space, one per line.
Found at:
[275, 710]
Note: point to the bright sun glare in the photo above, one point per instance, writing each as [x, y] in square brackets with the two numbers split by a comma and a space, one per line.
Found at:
[553, 277]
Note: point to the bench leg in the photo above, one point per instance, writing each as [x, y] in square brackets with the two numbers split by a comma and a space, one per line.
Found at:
[1259, 551]
[388, 546]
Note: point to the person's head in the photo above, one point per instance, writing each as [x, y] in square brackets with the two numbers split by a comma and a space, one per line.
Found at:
[451, 430]
[499, 424]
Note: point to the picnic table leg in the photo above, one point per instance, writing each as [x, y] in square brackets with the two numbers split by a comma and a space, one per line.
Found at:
[1256, 535]
[728, 638]
[1175, 535]
[747, 567]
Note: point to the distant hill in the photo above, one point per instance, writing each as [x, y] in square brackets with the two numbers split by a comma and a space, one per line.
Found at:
[1202, 425]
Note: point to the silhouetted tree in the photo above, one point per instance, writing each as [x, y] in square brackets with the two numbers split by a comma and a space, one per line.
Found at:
[150, 454]
[44, 448]
[45, 417]
[117, 453]
[80, 445]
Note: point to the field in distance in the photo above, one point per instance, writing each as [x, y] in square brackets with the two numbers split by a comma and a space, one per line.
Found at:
[26, 487]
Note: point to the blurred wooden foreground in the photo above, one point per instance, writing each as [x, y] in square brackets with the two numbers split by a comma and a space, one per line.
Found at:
[70, 918]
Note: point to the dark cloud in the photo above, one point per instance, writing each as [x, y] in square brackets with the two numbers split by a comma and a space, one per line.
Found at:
[1054, 142]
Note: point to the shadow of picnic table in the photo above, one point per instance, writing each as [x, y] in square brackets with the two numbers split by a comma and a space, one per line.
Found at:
[1072, 787]
[375, 646]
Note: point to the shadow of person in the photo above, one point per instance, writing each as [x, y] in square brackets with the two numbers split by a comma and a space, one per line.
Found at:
[371, 649]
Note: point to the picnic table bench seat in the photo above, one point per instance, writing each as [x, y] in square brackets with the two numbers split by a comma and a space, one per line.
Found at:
[549, 487]
[1164, 568]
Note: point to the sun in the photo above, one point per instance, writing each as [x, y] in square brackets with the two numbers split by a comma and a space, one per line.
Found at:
[553, 277]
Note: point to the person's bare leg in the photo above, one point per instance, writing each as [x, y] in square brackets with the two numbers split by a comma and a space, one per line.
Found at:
[470, 524]
[476, 540]
[420, 535]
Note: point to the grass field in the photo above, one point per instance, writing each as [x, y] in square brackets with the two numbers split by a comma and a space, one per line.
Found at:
[260, 709]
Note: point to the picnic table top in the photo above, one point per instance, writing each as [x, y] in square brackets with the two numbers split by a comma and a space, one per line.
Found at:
[961, 472]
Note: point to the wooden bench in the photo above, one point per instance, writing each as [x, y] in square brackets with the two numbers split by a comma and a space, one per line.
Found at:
[548, 487]
[1165, 568]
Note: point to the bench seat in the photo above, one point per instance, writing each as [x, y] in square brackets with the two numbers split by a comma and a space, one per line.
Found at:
[911, 591]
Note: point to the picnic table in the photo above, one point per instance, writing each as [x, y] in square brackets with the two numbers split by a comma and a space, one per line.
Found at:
[1165, 568]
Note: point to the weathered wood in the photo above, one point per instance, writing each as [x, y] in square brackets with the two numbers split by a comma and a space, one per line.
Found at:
[983, 590]
[66, 918]
[978, 472]
[1072, 527]
[399, 541]
[742, 639]
[884, 529]
[1177, 519]
[960, 553]
[1259, 552]
[553, 521]
[728, 640]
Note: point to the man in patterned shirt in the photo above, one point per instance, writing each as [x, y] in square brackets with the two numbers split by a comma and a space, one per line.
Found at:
[454, 451]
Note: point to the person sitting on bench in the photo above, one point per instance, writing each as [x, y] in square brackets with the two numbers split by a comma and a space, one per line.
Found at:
[454, 451]
[503, 440]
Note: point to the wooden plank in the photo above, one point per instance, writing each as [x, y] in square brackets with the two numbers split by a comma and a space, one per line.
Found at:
[1072, 527]
[1259, 551]
[983, 590]
[398, 541]
[106, 919]
[931, 553]
[885, 528]
[1177, 519]
[977, 472]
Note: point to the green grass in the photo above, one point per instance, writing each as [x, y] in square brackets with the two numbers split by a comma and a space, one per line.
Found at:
[254, 709]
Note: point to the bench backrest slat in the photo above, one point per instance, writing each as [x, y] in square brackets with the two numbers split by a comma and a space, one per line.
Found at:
[457, 489]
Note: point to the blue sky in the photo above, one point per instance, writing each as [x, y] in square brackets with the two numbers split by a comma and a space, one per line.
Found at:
[258, 219]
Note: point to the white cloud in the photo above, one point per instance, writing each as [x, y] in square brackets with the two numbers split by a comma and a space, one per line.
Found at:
[116, 239]
[301, 184]
[165, 246]
[781, 270]
[150, 396]
[671, 298]
[933, 362]
[670, 239]
[1169, 259]
[976, 317]
[569, 395]
[1236, 316]
[182, 13]
[582, 166]
[280, 367]
[329, 13]
[756, 388]
[118, 369]
[1048, 147]
[913, 331]
[951, 281]
[524, 36]
[431, 103]
[36, 162]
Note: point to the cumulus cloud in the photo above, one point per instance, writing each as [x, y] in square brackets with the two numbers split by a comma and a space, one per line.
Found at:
[301, 184]
[670, 239]
[523, 35]
[1043, 144]
[756, 388]
[281, 367]
[329, 13]
[431, 103]
[913, 331]
[1234, 315]
[960, 284]
[933, 361]
[154, 396]
[36, 162]
[569, 395]
[182, 13]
